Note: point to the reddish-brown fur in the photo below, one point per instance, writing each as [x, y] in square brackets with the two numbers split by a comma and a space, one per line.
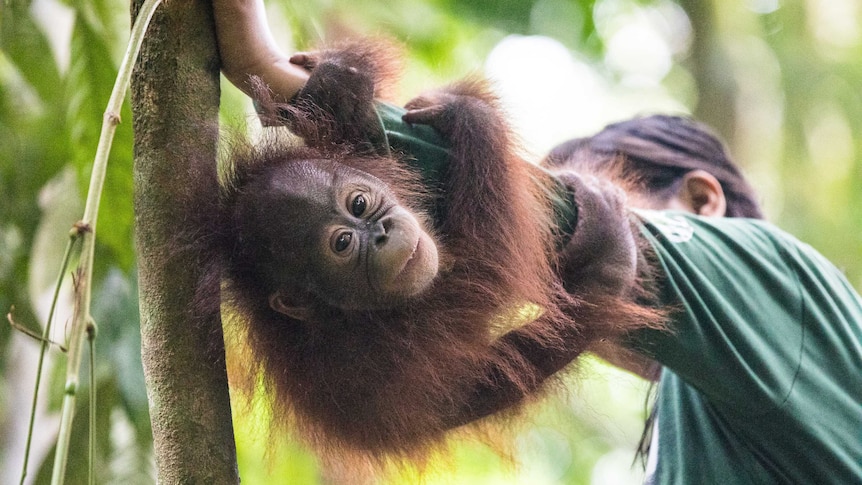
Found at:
[389, 383]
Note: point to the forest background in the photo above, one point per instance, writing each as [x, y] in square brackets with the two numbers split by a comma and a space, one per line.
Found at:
[780, 80]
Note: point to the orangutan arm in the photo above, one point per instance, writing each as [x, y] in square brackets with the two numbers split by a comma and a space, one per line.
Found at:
[598, 267]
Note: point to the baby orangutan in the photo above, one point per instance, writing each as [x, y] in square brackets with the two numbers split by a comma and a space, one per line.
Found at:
[372, 300]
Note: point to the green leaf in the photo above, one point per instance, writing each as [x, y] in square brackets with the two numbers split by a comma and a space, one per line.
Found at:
[115, 311]
[33, 148]
[26, 46]
[92, 74]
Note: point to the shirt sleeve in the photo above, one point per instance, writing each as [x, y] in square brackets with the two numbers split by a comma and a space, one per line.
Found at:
[736, 330]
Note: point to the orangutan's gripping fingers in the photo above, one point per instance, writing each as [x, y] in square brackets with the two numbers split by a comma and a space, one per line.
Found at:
[435, 110]
[424, 116]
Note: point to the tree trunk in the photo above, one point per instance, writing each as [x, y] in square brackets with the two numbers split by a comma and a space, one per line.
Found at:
[175, 99]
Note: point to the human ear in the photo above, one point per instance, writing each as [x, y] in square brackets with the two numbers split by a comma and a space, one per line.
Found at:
[290, 304]
[702, 192]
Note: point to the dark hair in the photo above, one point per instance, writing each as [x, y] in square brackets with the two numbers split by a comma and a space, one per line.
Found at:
[658, 151]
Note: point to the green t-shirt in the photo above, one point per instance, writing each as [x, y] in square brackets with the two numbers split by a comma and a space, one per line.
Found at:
[763, 364]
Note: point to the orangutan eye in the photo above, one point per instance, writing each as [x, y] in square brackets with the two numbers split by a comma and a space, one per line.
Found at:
[358, 206]
[341, 241]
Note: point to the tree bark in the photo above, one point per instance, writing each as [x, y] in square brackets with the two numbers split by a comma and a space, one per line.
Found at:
[175, 99]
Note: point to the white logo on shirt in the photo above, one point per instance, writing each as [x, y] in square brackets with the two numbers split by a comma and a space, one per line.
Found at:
[674, 227]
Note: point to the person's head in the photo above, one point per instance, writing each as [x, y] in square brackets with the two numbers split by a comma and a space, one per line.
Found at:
[673, 163]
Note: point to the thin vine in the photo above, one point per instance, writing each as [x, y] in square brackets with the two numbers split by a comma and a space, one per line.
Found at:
[74, 237]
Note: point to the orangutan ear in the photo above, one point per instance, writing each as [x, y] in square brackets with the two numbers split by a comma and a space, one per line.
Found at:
[292, 304]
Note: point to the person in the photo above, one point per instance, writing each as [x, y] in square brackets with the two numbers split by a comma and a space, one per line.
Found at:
[761, 378]
[678, 163]
[761, 359]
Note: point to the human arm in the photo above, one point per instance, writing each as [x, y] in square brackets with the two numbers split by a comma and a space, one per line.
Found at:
[247, 49]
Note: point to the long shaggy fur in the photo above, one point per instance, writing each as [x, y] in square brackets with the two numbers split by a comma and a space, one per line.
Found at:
[388, 384]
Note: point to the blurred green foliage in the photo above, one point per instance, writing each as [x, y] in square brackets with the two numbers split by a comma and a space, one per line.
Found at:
[778, 78]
